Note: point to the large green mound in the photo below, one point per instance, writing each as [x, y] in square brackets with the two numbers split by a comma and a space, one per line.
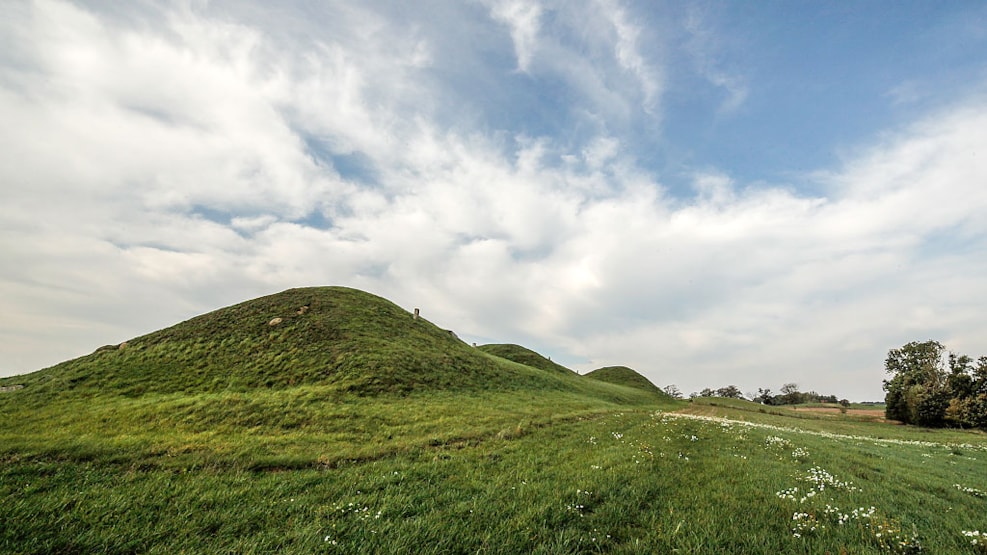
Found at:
[352, 340]
[523, 355]
[622, 375]
[303, 378]
[343, 339]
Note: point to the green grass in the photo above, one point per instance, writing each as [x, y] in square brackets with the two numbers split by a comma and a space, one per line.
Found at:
[350, 427]
[620, 481]
[296, 428]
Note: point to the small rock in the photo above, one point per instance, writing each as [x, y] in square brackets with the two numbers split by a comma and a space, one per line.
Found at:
[274, 322]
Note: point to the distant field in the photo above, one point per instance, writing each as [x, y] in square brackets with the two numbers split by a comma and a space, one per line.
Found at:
[876, 415]
[859, 406]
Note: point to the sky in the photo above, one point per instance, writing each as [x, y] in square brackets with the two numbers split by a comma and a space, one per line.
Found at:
[712, 193]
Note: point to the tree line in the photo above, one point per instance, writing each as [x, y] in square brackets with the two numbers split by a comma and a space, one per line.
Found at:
[789, 395]
[930, 386]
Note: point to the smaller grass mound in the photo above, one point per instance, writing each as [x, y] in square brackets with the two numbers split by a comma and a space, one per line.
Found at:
[523, 355]
[622, 375]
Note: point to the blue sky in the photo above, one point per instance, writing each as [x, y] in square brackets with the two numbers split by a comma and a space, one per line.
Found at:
[713, 193]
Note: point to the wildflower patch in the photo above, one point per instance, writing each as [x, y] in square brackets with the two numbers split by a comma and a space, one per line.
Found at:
[977, 539]
[972, 491]
[886, 532]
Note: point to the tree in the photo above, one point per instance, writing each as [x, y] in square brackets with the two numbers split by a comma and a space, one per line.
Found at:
[960, 381]
[976, 415]
[673, 391]
[928, 406]
[916, 391]
[730, 392]
[763, 396]
[929, 389]
[980, 376]
[790, 395]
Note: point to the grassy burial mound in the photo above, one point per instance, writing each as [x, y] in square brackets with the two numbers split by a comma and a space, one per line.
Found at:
[340, 339]
[523, 355]
[302, 378]
[344, 338]
[622, 375]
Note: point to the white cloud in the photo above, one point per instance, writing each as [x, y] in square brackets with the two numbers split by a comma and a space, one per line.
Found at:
[703, 45]
[523, 18]
[628, 52]
[593, 47]
[768, 279]
[169, 166]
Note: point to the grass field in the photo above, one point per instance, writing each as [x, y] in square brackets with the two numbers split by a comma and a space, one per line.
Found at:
[349, 427]
[618, 480]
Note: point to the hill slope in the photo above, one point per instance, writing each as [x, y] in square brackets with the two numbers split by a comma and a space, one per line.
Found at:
[622, 375]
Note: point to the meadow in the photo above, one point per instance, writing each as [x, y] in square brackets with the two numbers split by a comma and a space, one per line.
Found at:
[349, 427]
[692, 478]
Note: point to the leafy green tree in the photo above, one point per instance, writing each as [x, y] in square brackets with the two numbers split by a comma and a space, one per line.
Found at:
[967, 385]
[764, 396]
[790, 395]
[730, 392]
[980, 376]
[976, 411]
[929, 389]
[928, 407]
[960, 380]
[706, 392]
[895, 406]
[916, 391]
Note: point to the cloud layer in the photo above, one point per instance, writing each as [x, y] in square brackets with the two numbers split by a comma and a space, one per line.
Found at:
[482, 161]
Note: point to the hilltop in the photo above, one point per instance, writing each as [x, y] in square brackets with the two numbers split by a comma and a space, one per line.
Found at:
[523, 355]
[622, 375]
